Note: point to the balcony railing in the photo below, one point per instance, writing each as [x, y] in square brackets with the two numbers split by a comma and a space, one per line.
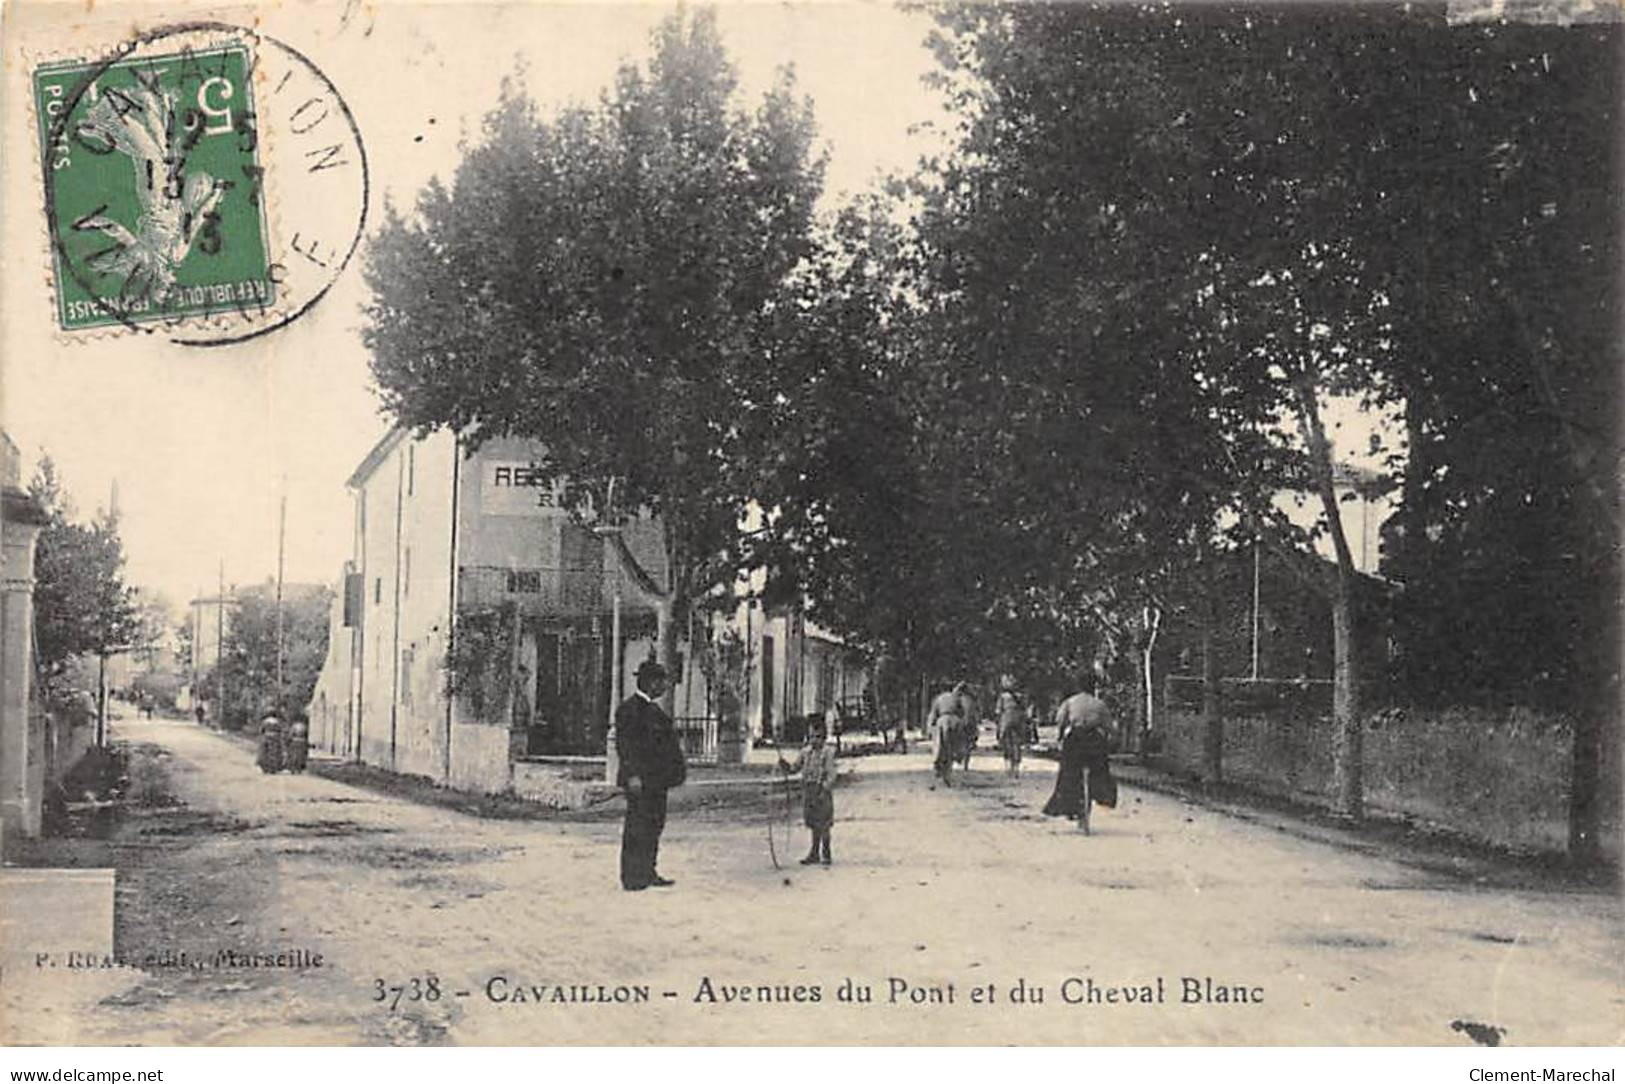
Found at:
[576, 592]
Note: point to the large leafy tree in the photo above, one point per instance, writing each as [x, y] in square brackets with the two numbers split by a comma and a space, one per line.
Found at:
[1081, 459]
[248, 660]
[1507, 357]
[607, 281]
[81, 603]
[1170, 233]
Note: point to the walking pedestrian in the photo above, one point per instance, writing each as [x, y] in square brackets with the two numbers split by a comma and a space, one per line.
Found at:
[270, 748]
[970, 727]
[945, 721]
[296, 747]
[816, 763]
[651, 764]
[1010, 712]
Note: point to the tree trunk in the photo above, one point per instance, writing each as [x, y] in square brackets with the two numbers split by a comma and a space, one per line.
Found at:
[1347, 754]
[666, 649]
[1147, 700]
[669, 631]
[1416, 647]
[1584, 456]
[1212, 704]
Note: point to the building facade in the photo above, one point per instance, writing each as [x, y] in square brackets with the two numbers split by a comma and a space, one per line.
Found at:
[25, 734]
[475, 628]
[795, 669]
[209, 618]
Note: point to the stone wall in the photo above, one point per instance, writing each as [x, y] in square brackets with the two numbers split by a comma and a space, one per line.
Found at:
[1499, 776]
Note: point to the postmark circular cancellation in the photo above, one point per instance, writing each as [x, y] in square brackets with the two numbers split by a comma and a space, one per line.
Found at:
[203, 182]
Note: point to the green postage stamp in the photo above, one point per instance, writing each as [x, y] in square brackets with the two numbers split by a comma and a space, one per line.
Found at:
[154, 186]
[202, 181]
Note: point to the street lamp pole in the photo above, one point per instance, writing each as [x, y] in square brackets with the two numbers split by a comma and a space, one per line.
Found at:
[609, 532]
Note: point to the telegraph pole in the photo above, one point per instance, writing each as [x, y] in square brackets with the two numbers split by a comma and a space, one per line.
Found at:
[219, 650]
[281, 537]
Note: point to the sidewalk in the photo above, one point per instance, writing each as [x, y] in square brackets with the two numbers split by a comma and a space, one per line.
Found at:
[716, 786]
[1379, 834]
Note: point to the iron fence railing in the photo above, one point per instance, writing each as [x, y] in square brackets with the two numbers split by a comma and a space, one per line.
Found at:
[698, 736]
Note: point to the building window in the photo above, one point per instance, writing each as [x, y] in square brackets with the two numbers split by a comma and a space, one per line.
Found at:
[406, 578]
[524, 581]
[377, 590]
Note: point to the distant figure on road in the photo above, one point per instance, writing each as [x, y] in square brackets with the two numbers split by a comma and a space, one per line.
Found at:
[946, 721]
[198, 711]
[970, 729]
[270, 755]
[296, 749]
[1010, 712]
[1086, 775]
[651, 764]
[816, 763]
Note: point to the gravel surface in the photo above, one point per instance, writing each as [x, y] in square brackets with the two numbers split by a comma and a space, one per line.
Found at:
[941, 905]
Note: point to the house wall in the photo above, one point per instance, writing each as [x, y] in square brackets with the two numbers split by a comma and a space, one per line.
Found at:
[207, 622]
[501, 526]
[22, 730]
[480, 759]
[795, 669]
[426, 607]
[329, 708]
[381, 695]
[404, 529]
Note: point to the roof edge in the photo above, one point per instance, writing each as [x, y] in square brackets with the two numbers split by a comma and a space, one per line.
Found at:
[371, 461]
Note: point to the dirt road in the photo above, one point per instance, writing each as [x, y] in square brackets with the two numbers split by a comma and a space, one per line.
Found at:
[950, 908]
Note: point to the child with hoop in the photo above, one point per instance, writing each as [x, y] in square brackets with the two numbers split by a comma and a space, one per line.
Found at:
[816, 763]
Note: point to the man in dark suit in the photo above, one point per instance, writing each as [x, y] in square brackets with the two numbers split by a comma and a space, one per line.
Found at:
[651, 764]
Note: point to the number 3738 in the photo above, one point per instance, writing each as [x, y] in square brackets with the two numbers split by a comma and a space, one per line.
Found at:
[417, 988]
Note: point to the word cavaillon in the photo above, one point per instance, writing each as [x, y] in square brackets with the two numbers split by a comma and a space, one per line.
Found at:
[1073, 991]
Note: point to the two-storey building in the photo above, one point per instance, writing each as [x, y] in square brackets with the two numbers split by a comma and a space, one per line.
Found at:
[476, 631]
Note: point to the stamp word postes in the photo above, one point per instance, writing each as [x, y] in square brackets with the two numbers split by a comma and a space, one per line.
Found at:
[203, 181]
[154, 170]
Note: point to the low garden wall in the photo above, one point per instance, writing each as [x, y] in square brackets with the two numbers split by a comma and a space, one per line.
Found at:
[1498, 776]
[561, 782]
[480, 758]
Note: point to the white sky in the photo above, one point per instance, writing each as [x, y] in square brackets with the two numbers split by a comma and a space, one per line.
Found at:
[198, 439]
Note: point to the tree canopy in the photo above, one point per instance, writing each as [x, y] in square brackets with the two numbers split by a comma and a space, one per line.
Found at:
[81, 603]
[607, 281]
[248, 659]
[996, 417]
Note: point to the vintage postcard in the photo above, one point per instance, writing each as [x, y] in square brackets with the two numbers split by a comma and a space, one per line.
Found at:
[815, 524]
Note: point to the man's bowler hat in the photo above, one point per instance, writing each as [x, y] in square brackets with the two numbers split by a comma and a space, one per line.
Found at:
[650, 668]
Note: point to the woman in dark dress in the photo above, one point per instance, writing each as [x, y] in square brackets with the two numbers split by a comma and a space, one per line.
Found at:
[1085, 776]
[270, 753]
[296, 747]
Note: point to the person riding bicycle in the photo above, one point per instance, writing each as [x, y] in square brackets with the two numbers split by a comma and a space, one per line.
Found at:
[950, 714]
